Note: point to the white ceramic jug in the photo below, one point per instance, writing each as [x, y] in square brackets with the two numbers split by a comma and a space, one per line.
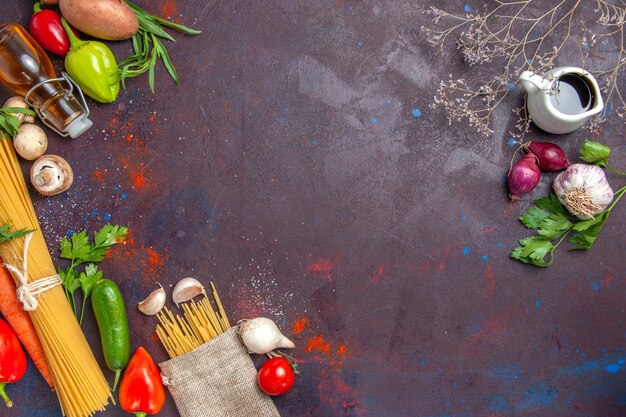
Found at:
[563, 99]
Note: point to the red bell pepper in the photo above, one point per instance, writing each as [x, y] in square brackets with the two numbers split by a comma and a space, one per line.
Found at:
[12, 359]
[45, 26]
[141, 389]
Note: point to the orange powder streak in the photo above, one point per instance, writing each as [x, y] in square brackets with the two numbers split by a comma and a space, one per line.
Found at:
[317, 344]
[300, 325]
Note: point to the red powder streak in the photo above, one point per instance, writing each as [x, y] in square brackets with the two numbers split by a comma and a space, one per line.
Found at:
[491, 331]
[145, 261]
[169, 8]
[490, 277]
[606, 281]
[335, 392]
[98, 175]
[324, 267]
[342, 350]
[153, 117]
[300, 325]
[436, 260]
[153, 257]
[378, 275]
[317, 344]
[488, 229]
[227, 108]
[139, 180]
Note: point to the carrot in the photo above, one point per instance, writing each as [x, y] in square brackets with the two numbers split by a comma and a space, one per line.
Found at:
[19, 320]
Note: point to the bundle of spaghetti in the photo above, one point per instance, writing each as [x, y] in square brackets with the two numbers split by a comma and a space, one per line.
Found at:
[79, 382]
[199, 324]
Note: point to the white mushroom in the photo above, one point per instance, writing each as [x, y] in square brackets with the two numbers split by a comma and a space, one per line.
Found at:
[30, 142]
[18, 101]
[51, 175]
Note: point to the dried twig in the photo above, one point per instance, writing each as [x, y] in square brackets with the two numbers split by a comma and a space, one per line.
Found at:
[521, 35]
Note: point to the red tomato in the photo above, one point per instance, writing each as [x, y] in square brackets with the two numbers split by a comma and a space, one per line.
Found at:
[276, 376]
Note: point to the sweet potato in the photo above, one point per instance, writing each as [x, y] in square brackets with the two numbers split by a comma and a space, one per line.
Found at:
[112, 20]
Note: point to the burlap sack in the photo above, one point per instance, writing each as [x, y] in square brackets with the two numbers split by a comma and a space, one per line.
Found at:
[218, 379]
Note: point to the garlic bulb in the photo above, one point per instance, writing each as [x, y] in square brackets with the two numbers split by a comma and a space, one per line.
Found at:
[261, 335]
[583, 190]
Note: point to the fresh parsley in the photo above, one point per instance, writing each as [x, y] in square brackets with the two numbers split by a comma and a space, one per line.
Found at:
[6, 235]
[554, 224]
[79, 249]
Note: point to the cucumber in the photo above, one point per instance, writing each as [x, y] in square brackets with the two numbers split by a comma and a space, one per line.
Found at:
[110, 312]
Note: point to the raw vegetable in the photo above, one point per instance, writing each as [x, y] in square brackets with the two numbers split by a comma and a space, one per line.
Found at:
[112, 20]
[598, 154]
[51, 175]
[261, 335]
[45, 26]
[18, 101]
[583, 190]
[523, 176]
[30, 142]
[550, 157]
[78, 249]
[276, 376]
[186, 289]
[9, 122]
[12, 360]
[11, 309]
[153, 303]
[141, 389]
[92, 65]
[554, 224]
[108, 307]
[148, 48]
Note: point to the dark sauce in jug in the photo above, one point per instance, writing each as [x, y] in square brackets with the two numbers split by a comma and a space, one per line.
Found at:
[573, 95]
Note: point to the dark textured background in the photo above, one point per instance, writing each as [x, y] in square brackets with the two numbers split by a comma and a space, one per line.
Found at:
[299, 166]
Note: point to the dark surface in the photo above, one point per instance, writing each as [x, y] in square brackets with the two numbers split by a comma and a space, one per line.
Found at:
[288, 168]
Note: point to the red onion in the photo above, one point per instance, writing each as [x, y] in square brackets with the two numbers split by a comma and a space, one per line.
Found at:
[550, 157]
[523, 176]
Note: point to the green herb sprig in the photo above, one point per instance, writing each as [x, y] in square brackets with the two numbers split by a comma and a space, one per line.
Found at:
[6, 235]
[79, 250]
[553, 223]
[148, 48]
[9, 123]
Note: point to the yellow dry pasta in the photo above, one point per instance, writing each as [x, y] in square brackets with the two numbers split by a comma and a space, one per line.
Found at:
[198, 324]
[79, 382]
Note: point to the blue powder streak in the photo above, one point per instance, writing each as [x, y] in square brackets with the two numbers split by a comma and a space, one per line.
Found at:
[467, 8]
[613, 368]
[466, 250]
[538, 303]
[416, 112]
[374, 120]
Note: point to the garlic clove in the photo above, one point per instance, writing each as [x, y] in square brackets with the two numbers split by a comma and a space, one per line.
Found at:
[186, 289]
[153, 302]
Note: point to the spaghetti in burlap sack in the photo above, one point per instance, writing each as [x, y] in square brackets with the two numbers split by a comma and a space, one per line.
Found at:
[217, 379]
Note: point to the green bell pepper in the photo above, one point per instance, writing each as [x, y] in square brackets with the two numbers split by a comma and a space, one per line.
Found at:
[92, 65]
